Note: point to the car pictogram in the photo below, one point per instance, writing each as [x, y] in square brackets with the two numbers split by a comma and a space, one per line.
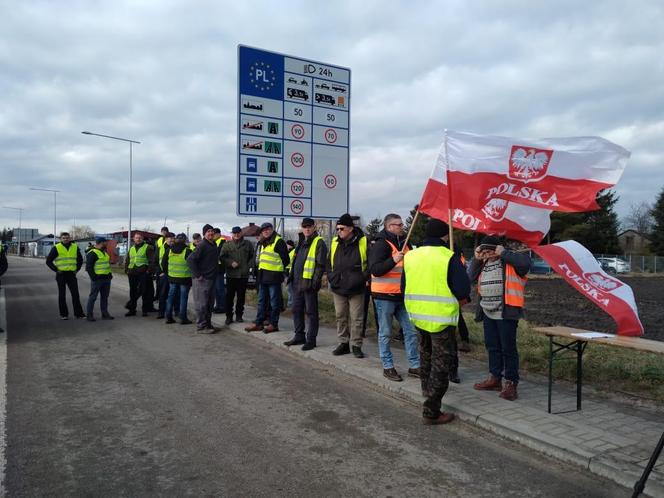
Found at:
[253, 126]
[338, 89]
[255, 145]
[323, 86]
[292, 80]
[325, 99]
[294, 93]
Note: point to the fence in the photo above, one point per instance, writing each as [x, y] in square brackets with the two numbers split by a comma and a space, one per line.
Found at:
[638, 263]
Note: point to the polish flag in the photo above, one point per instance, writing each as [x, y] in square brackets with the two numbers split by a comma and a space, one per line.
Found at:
[494, 217]
[558, 174]
[582, 271]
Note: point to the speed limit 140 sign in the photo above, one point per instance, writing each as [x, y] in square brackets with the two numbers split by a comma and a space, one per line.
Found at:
[293, 136]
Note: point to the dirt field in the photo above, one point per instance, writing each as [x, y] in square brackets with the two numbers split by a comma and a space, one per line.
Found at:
[551, 301]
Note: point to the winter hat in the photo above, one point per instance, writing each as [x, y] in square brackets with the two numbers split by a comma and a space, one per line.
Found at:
[491, 240]
[236, 230]
[266, 225]
[100, 239]
[206, 227]
[308, 222]
[170, 234]
[436, 228]
[181, 236]
[345, 220]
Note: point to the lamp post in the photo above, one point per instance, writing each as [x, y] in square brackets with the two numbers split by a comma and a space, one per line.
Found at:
[131, 143]
[20, 215]
[55, 208]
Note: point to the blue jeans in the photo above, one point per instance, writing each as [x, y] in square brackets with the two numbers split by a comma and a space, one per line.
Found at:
[103, 289]
[172, 296]
[220, 293]
[500, 343]
[272, 294]
[385, 310]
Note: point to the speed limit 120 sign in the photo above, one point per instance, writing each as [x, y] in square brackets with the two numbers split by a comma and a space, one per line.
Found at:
[293, 135]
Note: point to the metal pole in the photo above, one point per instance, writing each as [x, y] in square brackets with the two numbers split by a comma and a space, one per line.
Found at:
[55, 215]
[20, 213]
[130, 194]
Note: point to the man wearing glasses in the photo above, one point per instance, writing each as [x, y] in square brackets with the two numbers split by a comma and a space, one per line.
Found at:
[386, 266]
[347, 272]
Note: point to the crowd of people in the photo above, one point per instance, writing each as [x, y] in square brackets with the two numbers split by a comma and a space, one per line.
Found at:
[422, 288]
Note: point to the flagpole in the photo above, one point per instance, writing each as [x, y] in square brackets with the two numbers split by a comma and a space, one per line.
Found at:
[449, 195]
[412, 225]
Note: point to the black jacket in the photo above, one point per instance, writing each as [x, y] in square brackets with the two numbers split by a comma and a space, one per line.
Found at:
[380, 259]
[3, 261]
[54, 254]
[346, 276]
[90, 260]
[268, 277]
[204, 261]
[521, 263]
[301, 251]
[177, 248]
[457, 279]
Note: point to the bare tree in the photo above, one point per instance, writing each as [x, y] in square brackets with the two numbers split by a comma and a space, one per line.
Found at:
[81, 232]
[639, 217]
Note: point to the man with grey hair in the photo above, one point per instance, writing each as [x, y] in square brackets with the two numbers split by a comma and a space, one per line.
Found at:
[386, 266]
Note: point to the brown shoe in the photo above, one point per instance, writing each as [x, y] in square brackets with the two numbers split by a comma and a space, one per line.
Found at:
[443, 418]
[254, 328]
[464, 347]
[270, 328]
[490, 384]
[509, 391]
[391, 373]
[414, 372]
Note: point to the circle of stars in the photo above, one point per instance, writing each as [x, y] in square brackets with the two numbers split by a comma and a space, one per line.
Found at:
[262, 85]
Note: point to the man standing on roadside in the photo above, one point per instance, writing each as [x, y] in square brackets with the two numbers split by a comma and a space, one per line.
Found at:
[138, 267]
[65, 260]
[175, 267]
[204, 266]
[306, 276]
[220, 284]
[501, 281]
[386, 266]
[159, 248]
[434, 280]
[195, 240]
[3, 260]
[272, 256]
[98, 267]
[347, 272]
[237, 256]
[162, 277]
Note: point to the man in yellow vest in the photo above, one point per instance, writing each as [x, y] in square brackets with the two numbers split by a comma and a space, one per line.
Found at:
[501, 280]
[159, 250]
[66, 260]
[272, 256]
[306, 276]
[386, 266]
[139, 266]
[289, 287]
[174, 265]
[348, 272]
[163, 285]
[434, 280]
[98, 266]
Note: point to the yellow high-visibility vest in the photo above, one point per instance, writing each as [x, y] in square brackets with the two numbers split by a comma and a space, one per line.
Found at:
[427, 297]
[138, 258]
[291, 258]
[269, 259]
[362, 244]
[177, 265]
[103, 263]
[66, 260]
[310, 262]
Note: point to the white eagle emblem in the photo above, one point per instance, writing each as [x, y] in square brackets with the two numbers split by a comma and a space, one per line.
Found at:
[602, 282]
[495, 209]
[528, 164]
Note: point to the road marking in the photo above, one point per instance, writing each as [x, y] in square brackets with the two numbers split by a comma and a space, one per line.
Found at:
[3, 391]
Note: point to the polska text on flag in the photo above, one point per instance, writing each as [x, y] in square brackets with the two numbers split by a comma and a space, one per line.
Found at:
[582, 271]
[558, 174]
[495, 217]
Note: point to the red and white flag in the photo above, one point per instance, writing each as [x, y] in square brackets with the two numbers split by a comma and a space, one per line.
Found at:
[582, 271]
[559, 174]
[494, 217]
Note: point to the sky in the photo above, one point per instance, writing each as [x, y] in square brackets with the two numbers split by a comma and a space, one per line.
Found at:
[165, 73]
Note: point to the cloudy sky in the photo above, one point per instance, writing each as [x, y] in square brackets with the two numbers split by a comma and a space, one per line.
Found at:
[164, 73]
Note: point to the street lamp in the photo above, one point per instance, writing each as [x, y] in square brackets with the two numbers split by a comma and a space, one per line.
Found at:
[131, 143]
[55, 207]
[20, 215]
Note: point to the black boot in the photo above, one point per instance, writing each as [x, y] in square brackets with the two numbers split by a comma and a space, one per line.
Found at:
[342, 348]
[357, 352]
[454, 376]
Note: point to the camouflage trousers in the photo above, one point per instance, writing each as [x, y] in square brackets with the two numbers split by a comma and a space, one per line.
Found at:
[437, 358]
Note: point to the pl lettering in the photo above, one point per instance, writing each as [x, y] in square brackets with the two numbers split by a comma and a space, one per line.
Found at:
[532, 194]
[261, 75]
[467, 220]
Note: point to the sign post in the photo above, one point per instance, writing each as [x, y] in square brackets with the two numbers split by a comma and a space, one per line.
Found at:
[293, 136]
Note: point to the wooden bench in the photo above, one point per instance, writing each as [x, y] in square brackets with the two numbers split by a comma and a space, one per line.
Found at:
[577, 340]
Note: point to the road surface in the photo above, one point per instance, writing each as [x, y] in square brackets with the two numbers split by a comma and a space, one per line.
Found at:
[134, 407]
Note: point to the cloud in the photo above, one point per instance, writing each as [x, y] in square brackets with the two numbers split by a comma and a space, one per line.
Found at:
[164, 73]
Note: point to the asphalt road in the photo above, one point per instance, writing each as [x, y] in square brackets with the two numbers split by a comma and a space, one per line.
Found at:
[134, 407]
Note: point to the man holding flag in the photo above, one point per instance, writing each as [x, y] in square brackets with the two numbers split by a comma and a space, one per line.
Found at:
[501, 281]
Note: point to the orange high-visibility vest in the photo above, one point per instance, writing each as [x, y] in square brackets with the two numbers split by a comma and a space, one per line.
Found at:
[390, 283]
[514, 293]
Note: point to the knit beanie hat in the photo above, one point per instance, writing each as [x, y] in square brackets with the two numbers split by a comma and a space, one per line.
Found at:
[436, 228]
[345, 220]
[206, 227]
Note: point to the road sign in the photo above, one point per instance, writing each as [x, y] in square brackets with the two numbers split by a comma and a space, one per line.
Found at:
[293, 136]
